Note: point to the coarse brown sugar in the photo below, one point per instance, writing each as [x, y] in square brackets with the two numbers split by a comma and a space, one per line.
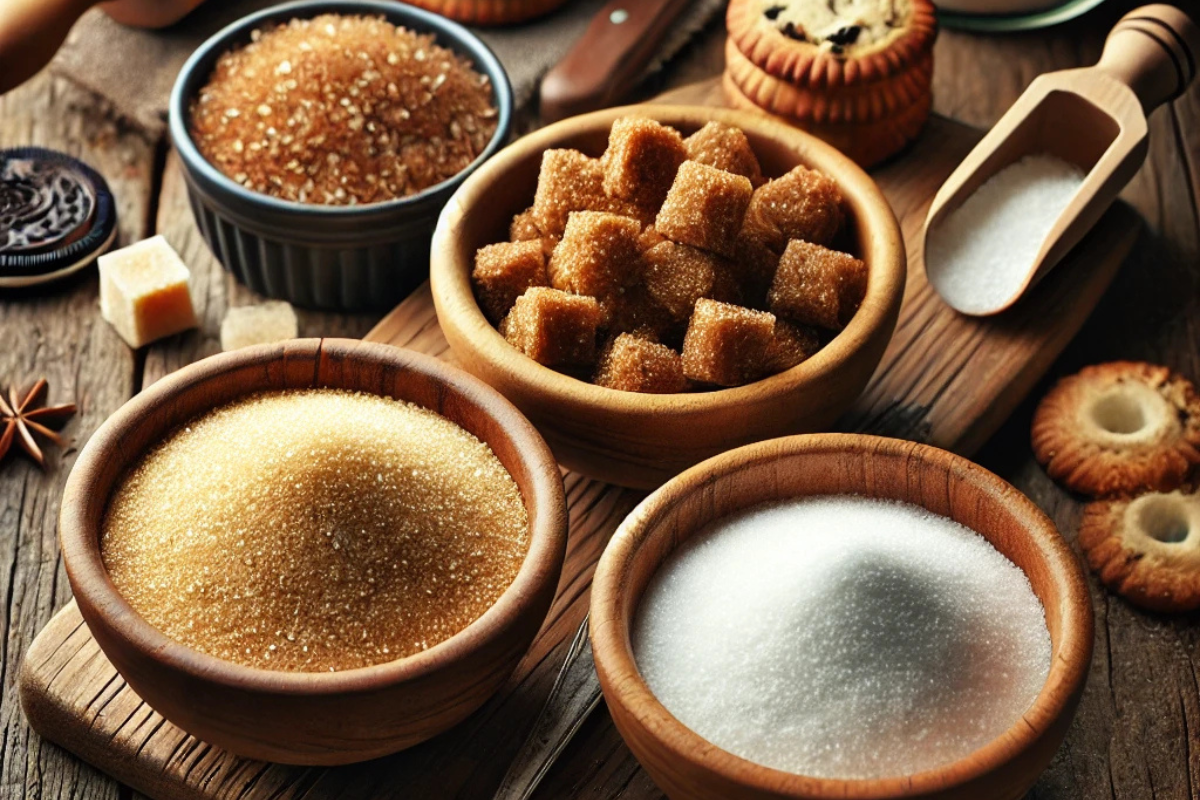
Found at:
[598, 254]
[342, 110]
[727, 345]
[503, 271]
[814, 285]
[635, 364]
[315, 530]
[704, 208]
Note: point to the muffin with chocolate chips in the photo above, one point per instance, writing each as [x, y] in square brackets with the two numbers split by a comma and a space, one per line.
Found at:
[854, 72]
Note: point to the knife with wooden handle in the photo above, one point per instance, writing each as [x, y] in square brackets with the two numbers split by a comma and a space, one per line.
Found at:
[607, 61]
[575, 694]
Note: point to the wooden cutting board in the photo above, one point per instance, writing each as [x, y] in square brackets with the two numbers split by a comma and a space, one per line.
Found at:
[946, 379]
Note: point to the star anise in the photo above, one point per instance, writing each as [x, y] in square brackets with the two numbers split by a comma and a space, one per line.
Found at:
[22, 417]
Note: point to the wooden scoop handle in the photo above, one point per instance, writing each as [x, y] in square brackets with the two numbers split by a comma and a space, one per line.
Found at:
[1155, 50]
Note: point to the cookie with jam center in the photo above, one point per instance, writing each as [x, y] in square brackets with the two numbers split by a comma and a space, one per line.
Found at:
[56, 215]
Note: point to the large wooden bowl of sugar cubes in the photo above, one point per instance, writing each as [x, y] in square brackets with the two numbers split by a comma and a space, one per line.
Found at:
[329, 577]
[841, 616]
[732, 321]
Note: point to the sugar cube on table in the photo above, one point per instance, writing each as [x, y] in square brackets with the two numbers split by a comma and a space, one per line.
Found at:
[814, 285]
[265, 323]
[634, 364]
[726, 344]
[704, 208]
[554, 327]
[144, 291]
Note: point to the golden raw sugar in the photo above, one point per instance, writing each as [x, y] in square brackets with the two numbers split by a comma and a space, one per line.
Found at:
[315, 530]
[342, 110]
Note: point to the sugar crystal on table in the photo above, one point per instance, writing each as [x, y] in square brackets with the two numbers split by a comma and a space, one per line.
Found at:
[677, 275]
[641, 160]
[842, 637]
[598, 254]
[634, 364]
[262, 323]
[342, 110]
[144, 291]
[704, 208]
[504, 271]
[814, 285]
[724, 147]
[315, 530]
[727, 345]
[803, 204]
[553, 327]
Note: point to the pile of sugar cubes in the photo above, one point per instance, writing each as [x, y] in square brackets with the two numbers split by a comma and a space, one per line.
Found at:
[671, 264]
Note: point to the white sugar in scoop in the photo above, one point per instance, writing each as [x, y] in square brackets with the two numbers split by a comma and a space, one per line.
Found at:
[980, 256]
[842, 637]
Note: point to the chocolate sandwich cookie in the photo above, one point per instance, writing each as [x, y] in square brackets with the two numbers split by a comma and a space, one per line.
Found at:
[56, 216]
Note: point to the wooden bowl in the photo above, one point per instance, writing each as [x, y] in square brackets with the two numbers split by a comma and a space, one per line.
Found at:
[642, 440]
[685, 765]
[315, 718]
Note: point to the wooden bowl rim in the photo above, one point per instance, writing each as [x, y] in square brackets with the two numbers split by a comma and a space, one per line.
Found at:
[79, 535]
[612, 647]
[877, 223]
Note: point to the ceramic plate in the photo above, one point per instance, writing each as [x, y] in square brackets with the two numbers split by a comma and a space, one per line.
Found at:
[1004, 23]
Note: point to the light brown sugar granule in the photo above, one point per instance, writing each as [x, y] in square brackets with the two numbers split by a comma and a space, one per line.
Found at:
[315, 530]
[342, 110]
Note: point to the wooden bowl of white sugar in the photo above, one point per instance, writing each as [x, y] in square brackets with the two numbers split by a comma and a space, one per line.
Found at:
[841, 616]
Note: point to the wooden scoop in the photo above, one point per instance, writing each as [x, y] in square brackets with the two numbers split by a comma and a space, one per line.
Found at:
[1094, 117]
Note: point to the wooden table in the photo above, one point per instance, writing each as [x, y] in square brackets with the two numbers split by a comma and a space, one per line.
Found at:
[1136, 732]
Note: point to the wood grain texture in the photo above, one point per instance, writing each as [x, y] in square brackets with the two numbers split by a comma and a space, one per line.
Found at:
[1134, 735]
[57, 333]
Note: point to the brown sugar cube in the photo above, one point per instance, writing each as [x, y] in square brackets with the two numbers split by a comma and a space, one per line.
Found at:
[727, 344]
[570, 181]
[724, 147]
[641, 160]
[524, 228]
[598, 254]
[634, 364]
[705, 208]
[554, 328]
[677, 275]
[650, 237]
[504, 271]
[754, 267]
[817, 286]
[635, 311]
[803, 204]
[792, 345]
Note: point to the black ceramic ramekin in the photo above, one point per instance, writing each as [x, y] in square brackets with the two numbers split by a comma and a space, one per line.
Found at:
[332, 257]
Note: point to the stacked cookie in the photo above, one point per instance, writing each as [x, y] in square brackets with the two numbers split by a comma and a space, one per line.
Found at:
[856, 73]
[490, 12]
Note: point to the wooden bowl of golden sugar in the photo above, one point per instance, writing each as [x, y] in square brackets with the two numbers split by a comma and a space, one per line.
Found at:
[841, 616]
[341, 548]
[637, 438]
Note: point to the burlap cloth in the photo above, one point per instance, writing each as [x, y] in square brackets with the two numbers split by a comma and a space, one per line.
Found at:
[135, 68]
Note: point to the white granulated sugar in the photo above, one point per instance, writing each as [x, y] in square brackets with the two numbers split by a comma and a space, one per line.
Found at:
[842, 637]
[978, 257]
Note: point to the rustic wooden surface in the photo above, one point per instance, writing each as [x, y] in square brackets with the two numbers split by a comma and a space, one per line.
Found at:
[1131, 738]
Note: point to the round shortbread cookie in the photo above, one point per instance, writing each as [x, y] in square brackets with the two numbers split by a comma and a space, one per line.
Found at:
[1119, 428]
[1147, 549]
